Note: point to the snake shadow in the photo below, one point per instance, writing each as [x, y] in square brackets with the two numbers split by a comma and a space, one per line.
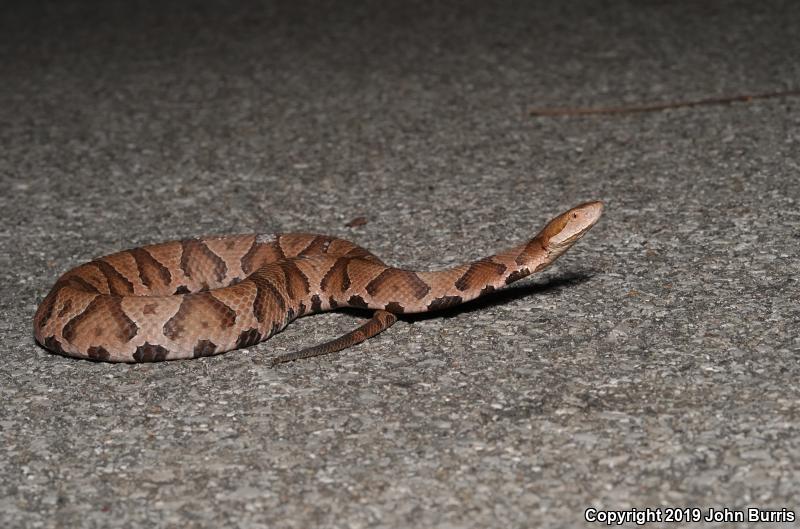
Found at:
[498, 297]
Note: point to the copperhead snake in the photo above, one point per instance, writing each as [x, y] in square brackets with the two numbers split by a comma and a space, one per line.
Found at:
[204, 296]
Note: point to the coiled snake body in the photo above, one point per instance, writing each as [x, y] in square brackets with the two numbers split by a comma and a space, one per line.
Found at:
[204, 296]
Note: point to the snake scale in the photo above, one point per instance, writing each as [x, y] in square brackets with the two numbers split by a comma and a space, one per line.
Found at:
[204, 296]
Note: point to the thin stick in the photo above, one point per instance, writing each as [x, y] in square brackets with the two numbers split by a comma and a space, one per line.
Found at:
[654, 107]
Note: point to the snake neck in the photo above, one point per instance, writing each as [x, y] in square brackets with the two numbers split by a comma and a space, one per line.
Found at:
[558, 236]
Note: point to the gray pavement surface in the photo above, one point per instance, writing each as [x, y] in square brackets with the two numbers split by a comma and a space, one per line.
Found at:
[655, 365]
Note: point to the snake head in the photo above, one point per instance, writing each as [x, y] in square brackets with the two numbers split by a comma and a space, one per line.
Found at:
[561, 232]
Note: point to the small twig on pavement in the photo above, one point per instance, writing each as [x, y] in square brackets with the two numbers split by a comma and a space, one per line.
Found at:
[654, 107]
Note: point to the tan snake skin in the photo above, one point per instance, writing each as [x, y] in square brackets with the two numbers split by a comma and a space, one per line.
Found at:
[204, 296]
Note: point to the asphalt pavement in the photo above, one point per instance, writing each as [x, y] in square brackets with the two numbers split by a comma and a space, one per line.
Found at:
[655, 366]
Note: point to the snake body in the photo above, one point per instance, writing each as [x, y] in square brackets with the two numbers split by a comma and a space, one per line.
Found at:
[207, 295]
